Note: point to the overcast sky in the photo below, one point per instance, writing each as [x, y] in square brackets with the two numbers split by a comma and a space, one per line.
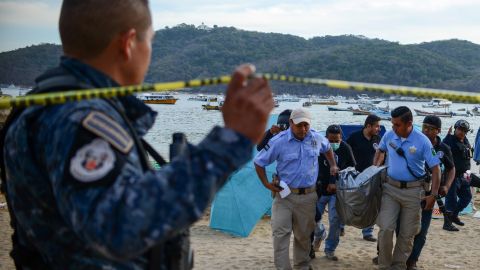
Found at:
[28, 22]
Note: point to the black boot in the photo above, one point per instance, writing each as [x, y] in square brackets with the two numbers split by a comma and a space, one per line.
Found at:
[454, 218]
[447, 224]
[411, 265]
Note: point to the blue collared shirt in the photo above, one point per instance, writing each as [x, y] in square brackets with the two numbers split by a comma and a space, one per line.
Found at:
[297, 161]
[418, 150]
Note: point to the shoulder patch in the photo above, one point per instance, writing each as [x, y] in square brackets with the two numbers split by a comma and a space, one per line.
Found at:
[106, 128]
[93, 161]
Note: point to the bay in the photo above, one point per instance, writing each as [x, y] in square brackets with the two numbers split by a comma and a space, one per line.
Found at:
[189, 117]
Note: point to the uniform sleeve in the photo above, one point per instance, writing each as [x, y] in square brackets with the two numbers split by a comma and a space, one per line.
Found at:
[268, 154]
[324, 145]
[266, 138]
[447, 159]
[121, 210]
[382, 146]
[429, 154]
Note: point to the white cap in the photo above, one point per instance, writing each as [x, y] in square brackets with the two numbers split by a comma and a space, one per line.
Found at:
[300, 115]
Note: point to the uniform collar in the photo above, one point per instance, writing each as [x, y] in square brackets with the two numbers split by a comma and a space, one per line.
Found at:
[291, 137]
[409, 137]
[141, 115]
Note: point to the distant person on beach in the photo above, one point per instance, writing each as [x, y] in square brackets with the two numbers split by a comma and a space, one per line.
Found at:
[409, 151]
[296, 152]
[326, 185]
[432, 125]
[282, 124]
[462, 154]
[364, 144]
[79, 184]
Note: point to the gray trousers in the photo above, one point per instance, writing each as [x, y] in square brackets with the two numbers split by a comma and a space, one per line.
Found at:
[293, 213]
[405, 202]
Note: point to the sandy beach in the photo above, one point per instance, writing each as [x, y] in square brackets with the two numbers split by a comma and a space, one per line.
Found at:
[216, 250]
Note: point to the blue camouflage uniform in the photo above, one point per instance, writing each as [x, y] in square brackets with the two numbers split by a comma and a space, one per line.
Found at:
[78, 190]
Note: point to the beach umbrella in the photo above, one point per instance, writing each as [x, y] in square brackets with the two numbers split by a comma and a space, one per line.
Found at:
[243, 200]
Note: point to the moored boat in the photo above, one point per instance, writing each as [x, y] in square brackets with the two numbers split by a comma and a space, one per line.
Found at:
[439, 114]
[324, 102]
[213, 107]
[153, 98]
[438, 103]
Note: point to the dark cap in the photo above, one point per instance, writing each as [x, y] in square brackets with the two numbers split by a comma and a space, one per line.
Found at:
[433, 120]
[462, 124]
[334, 129]
[283, 117]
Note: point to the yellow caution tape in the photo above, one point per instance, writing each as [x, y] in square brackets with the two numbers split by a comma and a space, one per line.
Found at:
[77, 95]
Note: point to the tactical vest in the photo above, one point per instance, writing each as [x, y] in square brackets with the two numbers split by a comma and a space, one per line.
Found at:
[178, 255]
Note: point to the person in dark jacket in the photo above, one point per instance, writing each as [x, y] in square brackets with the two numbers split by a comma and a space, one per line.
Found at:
[462, 153]
[326, 188]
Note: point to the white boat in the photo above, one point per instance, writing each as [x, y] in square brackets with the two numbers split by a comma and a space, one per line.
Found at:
[203, 98]
[438, 103]
[287, 98]
[153, 98]
[364, 99]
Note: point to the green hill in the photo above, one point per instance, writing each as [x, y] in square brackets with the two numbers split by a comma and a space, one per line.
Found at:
[187, 52]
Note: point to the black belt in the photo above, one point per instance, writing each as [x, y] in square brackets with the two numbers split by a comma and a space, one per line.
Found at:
[405, 184]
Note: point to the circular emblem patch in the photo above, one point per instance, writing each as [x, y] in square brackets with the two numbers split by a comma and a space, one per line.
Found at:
[93, 161]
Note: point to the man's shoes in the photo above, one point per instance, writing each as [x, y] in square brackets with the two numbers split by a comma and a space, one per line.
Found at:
[370, 238]
[342, 232]
[411, 265]
[312, 253]
[448, 226]
[331, 256]
[375, 260]
[456, 220]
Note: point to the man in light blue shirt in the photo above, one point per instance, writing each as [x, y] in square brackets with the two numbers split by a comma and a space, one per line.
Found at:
[408, 152]
[296, 151]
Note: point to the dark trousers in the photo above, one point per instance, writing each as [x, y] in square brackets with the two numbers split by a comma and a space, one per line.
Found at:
[461, 188]
[421, 237]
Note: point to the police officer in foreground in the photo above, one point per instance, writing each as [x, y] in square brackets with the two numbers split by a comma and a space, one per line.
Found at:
[296, 151]
[78, 182]
[432, 125]
[408, 152]
[462, 153]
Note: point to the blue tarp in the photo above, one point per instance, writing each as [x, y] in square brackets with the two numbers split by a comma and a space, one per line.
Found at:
[242, 202]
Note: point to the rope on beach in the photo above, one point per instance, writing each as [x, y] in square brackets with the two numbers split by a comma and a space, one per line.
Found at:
[77, 95]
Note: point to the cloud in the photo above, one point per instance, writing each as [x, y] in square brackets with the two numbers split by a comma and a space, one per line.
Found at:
[29, 22]
[29, 13]
[407, 21]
